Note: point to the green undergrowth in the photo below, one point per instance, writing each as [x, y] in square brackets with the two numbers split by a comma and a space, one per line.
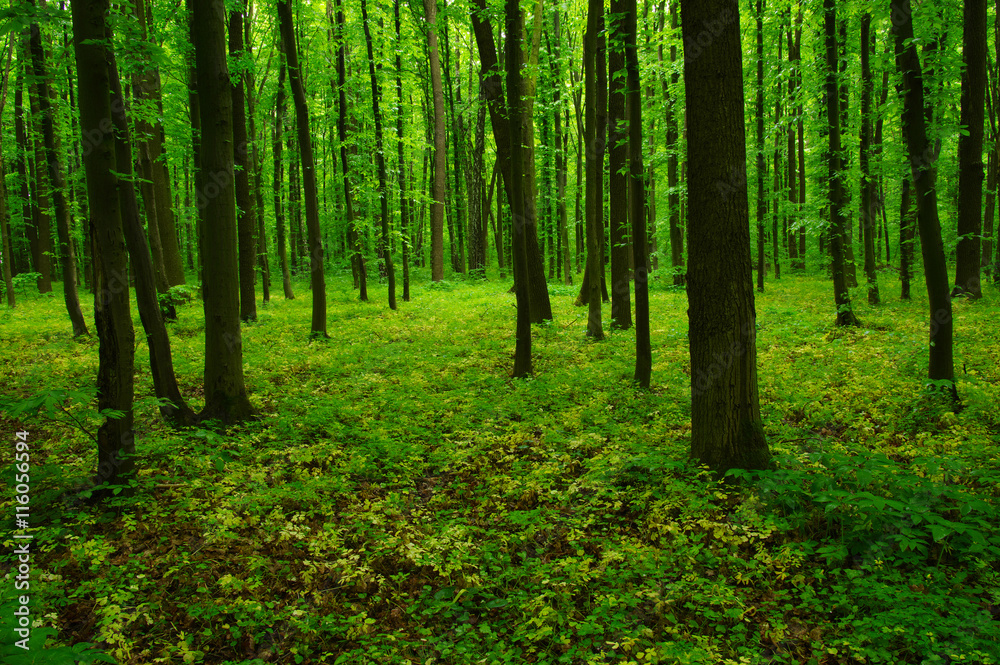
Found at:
[400, 499]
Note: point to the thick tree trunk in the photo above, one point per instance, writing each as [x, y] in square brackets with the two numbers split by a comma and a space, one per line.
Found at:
[440, 146]
[57, 182]
[383, 194]
[621, 301]
[841, 296]
[246, 220]
[970, 152]
[225, 391]
[726, 428]
[869, 208]
[924, 173]
[316, 270]
[116, 365]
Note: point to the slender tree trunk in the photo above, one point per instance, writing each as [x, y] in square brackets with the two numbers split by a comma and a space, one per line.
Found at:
[776, 189]
[850, 262]
[160, 358]
[225, 390]
[256, 165]
[842, 298]
[522, 348]
[970, 152]
[561, 139]
[440, 146]
[316, 274]
[279, 213]
[869, 209]
[595, 266]
[621, 301]
[246, 224]
[404, 195]
[802, 141]
[643, 352]
[383, 194]
[726, 428]
[924, 173]
[116, 364]
[57, 182]
[673, 148]
[792, 217]
[907, 223]
[5, 244]
[761, 161]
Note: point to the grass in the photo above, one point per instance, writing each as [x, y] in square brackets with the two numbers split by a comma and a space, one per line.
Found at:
[402, 500]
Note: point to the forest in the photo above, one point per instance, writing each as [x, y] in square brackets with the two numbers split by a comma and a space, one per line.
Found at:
[497, 331]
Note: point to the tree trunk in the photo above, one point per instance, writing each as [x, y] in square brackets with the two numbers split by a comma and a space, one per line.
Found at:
[522, 347]
[383, 194]
[924, 173]
[776, 189]
[225, 391]
[256, 166]
[850, 264]
[793, 192]
[761, 161]
[116, 365]
[621, 301]
[404, 195]
[57, 183]
[279, 213]
[562, 143]
[906, 232]
[6, 255]
[150, 314]
[673, 147]
[246, 221]
[842, 298]
[970, 152]
[440, 146]
[316, 274]
[869, 208]
[726, 428]
[595, 266]
[643, 352]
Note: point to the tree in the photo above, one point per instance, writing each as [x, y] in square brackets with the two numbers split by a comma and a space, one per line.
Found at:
[643, 353]
[869, 209]
[621, 305]
[279, 212]
[595, 145]
[842, 298]
[57, 182]
[246, 220]
[761, 161]
[726, 428]
[440, 145]
[317, 279]
[404, 196]
[225, 391]
[386, 246]
[970, 151]
[522, 345]
[923, 155]
[116, 365]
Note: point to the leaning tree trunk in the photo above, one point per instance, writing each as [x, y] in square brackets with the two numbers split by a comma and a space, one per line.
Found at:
[57, 183]
[726, 428]
[316, 274]
[924, 173]
[225, 390]
[116, 365]
[841, 295]
[970, 152]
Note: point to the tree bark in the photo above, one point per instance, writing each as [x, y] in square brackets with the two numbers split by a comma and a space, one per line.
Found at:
[5, 246]
[225, 390]
[279, 213]
[726, 428]
[595, 266]
[761, 161]
[970, 152]
[923, 156]
[116, 364]
[404, 195]
[316, 270]
[673, 147]
[842, 298]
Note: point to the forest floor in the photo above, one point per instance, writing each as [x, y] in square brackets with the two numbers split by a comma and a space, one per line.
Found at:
[401, 500]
